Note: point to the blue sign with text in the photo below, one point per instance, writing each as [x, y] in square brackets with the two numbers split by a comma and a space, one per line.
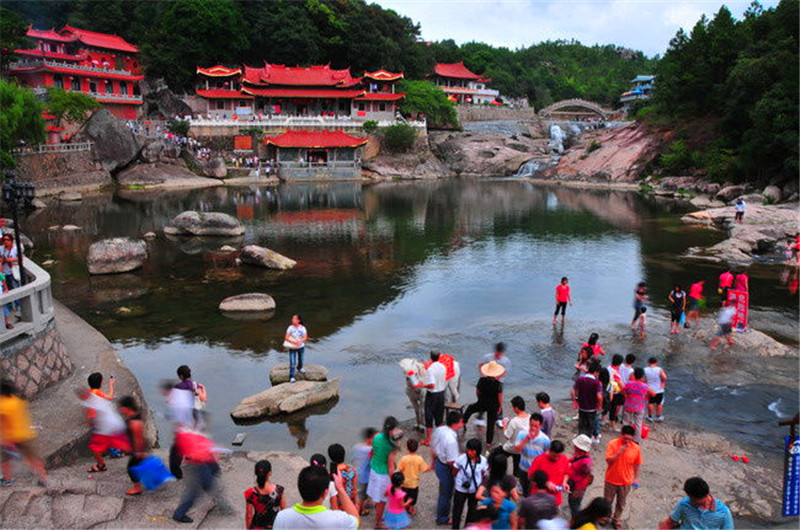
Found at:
[791, 482]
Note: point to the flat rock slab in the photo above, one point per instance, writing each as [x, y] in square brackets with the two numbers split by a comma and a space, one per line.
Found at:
[264, 257]
[193, 223]
[248, 303]
[285, 399]
[119, 254]
[314, 372]
[69, 196]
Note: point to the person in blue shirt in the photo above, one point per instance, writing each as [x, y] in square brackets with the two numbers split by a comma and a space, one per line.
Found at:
[506, 518]
[700, 510]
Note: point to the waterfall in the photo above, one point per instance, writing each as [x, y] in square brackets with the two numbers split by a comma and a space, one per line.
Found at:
[557, 137]
[529, 168]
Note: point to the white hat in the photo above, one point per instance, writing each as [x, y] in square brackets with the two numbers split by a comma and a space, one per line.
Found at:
[582, 442]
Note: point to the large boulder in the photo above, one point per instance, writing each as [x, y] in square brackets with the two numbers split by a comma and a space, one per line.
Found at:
[215, 168]
[119, 254]
[286, 399]
[728, 193]
[264, 257]
[115, 145]
[161, 100]
[313, 372]
[193, 223]
[772, 193]
[248, 303]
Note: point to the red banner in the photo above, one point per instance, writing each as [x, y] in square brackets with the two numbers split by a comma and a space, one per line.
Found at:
[741, 300]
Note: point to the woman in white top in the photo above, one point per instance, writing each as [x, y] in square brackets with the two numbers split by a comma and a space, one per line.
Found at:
[471, 468]
[296, 335]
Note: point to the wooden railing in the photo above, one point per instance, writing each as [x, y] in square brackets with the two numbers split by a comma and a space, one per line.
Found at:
[53, 148]
[35, 301]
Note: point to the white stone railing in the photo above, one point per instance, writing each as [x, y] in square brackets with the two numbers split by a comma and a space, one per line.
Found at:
[29, 63]
[105, 95]
[339, 164]
[53, 148]
[323, 122]
[35, 303]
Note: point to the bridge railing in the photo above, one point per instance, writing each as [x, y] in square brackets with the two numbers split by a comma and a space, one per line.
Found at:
[34, 300]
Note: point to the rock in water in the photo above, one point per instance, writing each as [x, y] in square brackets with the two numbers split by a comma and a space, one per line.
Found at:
[69, 196]
[204, 224]
[120, 254]
[264, 257]
[314, 372]
[115, 145]
[248, 303]
[285, 399]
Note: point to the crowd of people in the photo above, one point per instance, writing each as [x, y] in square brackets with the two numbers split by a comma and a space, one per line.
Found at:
[521, 481]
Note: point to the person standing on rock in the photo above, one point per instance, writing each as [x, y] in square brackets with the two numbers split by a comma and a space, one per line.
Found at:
[296, 335]
[693, 302]
[699, 509]
[740, 207]
[656, 380]
[725, 283]
[640, 308]
[563, 297]
[677, 299]
[623, 459]
[16, 431]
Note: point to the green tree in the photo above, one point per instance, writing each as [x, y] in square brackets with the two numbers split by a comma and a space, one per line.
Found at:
[12, 36]
[20, 120]
[424, 97]
[70, 106]
[398, 138]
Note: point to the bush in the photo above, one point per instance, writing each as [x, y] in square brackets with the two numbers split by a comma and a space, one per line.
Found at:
[398, 138]
[70, 106]
[370, 126]
[179, 127]
[20, 120]
[677, 159]
[594, 146]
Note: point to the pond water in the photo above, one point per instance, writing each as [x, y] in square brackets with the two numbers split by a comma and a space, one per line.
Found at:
[390, 271]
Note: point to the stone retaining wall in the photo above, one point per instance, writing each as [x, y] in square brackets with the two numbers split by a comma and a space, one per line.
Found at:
[56, 171]
[478, 113]
[34, 363]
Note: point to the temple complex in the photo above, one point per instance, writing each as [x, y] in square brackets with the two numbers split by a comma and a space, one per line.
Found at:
[275, 90]
[463, 86]
[103, 66]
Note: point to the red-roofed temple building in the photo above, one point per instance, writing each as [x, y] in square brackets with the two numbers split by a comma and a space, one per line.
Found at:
[306, 91]
[100, 65]
[462, 85]
[312, 155]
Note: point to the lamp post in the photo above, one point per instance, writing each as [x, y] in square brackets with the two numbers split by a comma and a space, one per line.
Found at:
[16, 195]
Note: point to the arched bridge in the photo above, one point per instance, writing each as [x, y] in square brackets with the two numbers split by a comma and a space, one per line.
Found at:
[582, 103]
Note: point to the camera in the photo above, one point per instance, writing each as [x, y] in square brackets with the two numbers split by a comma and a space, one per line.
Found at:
[466, 485]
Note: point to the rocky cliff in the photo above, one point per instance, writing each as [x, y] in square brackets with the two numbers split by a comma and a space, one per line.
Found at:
[608, 155]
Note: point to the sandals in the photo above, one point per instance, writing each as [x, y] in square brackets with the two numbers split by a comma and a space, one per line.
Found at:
[97, 468]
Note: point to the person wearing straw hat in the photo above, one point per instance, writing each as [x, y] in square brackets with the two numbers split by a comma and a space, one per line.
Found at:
[580, 472]
[490, 397]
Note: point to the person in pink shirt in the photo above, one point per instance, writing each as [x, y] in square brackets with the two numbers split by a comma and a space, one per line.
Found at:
[563, 297]
[725, 283]
[742, 282]
[693, 306]
[398, 500]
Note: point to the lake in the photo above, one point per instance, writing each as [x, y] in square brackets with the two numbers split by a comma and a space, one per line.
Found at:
[393, 270]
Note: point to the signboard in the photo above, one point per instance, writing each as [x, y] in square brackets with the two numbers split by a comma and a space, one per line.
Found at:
[791, 479]
[740, 300]
[243, 143]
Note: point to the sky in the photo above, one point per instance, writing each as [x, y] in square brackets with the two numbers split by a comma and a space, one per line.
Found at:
[645, 25]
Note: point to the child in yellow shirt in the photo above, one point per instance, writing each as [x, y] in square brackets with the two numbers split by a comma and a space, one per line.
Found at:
[16, 431]
[411, 465]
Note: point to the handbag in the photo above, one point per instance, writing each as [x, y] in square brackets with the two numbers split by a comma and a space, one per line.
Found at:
[290, 345]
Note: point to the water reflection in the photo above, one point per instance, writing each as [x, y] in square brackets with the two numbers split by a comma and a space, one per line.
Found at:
[384, 272]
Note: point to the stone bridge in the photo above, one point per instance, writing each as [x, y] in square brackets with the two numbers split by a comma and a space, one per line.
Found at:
[582, 103]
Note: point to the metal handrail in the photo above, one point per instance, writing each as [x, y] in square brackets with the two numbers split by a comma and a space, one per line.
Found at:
[53, 148]
[35, 303]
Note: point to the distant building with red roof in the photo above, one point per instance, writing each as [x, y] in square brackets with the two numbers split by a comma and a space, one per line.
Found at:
[462, 85]
[105, 67]
[278, 90]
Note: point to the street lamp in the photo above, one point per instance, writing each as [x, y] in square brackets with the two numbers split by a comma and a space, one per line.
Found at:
[17, 195]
